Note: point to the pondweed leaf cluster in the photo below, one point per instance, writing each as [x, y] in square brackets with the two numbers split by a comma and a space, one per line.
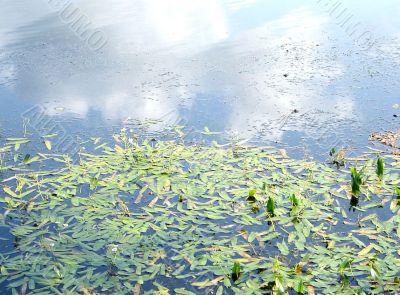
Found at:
[169, 218]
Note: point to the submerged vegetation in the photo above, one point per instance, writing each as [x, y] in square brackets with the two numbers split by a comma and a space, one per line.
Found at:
[169, 218]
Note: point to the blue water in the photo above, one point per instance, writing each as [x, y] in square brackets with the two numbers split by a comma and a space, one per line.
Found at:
[239, 66]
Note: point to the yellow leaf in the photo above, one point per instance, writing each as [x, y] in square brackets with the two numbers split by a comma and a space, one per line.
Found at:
[366, 250]
[9, 191]
[167, 185]
[119, 150]
[29, 207]
[283, 153]
[153, 202]
[298, 269]
[136, 291]
[88, 292]
[208, 283]
[244, 254]
[154, 227]
[48, 144]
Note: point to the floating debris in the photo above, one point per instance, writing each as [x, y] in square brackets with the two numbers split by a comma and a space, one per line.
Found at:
[59, 109]
[389, 138]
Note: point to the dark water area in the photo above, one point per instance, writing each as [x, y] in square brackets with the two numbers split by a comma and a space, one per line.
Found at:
[304, 76]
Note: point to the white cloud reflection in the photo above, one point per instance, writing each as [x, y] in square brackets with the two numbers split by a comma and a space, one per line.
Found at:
[163, 54]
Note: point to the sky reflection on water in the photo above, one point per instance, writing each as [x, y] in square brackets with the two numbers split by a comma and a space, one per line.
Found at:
[263, 70]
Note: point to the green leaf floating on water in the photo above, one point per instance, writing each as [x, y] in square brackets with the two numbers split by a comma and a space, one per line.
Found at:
[300, 287]
[207, 131]
[93, 182]
[163, 217]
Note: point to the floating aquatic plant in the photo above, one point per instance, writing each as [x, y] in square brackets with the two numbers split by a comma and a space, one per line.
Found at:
[255, 209]
[345, 265]
[332, 152]
[356, 182]
[252, 195]
[236, 271]
[374, 270]
[300, 289]
[271, 206]
[294, 200]
[380, 167]
[93, 182]
[397, 192]
[167, 218]
[337, 157]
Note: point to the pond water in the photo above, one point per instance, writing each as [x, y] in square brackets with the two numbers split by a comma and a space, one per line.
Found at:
[305, 76]
[241, 67]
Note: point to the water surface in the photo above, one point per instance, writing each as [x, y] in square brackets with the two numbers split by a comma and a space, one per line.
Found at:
[241, 67]
[283, 73]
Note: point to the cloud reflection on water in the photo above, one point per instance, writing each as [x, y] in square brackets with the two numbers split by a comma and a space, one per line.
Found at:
[164, 56]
